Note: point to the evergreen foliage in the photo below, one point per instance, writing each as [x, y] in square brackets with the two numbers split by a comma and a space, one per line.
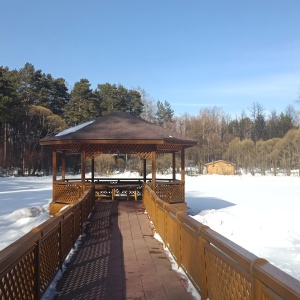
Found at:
[34, 104]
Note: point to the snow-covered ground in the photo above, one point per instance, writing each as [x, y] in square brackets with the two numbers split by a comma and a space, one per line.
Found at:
[259, 213]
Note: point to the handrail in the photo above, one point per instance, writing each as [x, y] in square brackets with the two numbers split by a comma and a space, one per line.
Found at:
[218, 268]
[28, 266]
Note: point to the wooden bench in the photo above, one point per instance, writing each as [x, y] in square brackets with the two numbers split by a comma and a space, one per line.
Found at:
[119, 189]
[116, 190]
[103, 191]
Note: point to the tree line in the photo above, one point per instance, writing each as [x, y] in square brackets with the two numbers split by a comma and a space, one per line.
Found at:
[34, 104]
[255, 143]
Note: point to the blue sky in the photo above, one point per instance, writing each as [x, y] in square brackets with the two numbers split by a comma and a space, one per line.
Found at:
[192, 53]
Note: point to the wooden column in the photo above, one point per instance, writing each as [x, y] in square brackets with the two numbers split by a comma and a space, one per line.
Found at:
[174, 165]
[153, 156]
[144, 169]
[93, 170]
[54, 165]
[54, 172]
[83, 169]
[63, 166]
[182, 158]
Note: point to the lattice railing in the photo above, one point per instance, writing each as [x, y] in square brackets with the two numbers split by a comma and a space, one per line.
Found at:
[170, 192]
[67, 192]
[218, 268]
[28, 266]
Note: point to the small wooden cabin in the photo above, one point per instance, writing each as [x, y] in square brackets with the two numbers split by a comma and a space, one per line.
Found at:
[220, 167]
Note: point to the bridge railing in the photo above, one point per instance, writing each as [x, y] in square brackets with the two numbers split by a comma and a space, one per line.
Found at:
[28, 266]
[169, 191]
[69, 190]
[218, 268]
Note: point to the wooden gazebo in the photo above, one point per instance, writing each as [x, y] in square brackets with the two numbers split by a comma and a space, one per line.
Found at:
[122, 133]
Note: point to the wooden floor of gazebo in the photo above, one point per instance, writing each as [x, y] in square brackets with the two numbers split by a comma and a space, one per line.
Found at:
[119, 258]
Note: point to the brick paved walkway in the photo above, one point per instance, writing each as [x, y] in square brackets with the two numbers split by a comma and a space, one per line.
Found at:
[119, 259]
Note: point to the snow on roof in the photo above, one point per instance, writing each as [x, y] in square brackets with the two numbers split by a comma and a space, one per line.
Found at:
[75, 128]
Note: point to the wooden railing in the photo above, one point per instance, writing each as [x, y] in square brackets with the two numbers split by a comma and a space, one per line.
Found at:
[28, 266]
[218, 268]
[67, 192]
[169, 191]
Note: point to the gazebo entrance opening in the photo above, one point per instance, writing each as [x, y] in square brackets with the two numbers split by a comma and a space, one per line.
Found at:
[116, 133]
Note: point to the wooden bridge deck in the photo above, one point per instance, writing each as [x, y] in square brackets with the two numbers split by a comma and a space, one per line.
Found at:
[119, 259]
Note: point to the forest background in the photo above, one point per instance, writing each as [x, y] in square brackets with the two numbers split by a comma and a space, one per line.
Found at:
[34, 104]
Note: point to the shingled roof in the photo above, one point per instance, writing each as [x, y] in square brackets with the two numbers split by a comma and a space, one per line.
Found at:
[120, 132]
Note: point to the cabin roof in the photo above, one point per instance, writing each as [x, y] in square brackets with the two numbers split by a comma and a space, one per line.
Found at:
[218, 161]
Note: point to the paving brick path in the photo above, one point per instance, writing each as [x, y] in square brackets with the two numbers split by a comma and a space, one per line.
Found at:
[119, 259]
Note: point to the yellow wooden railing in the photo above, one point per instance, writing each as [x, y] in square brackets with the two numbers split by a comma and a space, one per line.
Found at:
[28, 266]
[67, 192]
[169, 191]
[218, 268]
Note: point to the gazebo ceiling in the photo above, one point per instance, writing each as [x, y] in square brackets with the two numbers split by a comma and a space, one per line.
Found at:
[118, 132]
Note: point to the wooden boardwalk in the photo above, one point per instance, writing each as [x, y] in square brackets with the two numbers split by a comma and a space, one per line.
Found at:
[120, 259]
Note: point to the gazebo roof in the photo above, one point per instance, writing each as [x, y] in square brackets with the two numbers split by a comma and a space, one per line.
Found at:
[118, 132]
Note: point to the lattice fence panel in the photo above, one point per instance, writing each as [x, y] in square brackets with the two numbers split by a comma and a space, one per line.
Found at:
[20, 281]
[69, 148]
[49, 257]
[169, 148]
[66, 192]
[67, 234]
[224, 278]
[170, 192]
[93, 150]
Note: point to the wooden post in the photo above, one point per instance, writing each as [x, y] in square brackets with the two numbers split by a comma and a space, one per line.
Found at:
[182, 157]
[174, 165]
[63, 166]
[93, 170]
[144, 169]
[54, 171]
[83, 168]
[153, 156]
[54, 166]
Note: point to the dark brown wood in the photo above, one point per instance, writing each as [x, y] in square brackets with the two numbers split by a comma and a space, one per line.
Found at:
[54, 166]
[119, 132]
[182, 156]
[63, 165]
[93, 170]
[83, 163]
[153, 169]
[144, 169]
[174, 165]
